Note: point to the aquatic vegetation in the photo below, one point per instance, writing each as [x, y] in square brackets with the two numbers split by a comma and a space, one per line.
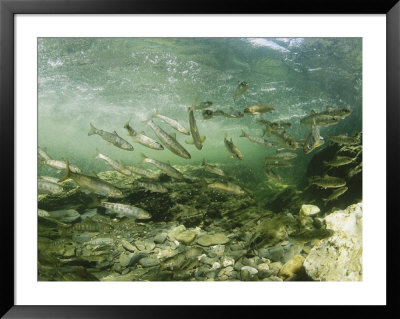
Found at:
[248, 202]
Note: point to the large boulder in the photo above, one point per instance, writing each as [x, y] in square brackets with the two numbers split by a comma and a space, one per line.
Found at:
[339, 257]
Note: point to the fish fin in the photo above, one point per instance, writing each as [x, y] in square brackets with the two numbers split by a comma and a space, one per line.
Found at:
[243, 134]
[173, 135]
[92, 129]
[231, 156]
[115, 132]
[202, 139]
[189, 141]
[127, 126]
[67, 173]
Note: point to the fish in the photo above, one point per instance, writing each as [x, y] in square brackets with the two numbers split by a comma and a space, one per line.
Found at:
[143, 139]
[313, 140]
[327, 181]
[197, 140]
[112, 138]
[278, 163]
[171, 122]
[258, 109]
[43, 154]
[155, 188]
[169, 141]
[284, 139]
[202, 105]
[49, 179]
[208, 114]
[165, 167]
[100, 241]
[281, 156]
[46, 187]
[339, 161]
[240, 89]
[126, 210]
[142, 172]
[212, 168]
[92, 184]
[232, 148]
[43, 213]
[340, 112]
[344, 139]
[257, 139]
[335, 194]
[114, 164]
[319, 119]
[227, 188]
[273, 176]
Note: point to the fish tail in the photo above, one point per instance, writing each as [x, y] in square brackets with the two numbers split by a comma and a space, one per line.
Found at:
[67, 173]
[127, 124]
[92, 130]
[97, 153]
[243, 134]
[156, 114]
[44, 153]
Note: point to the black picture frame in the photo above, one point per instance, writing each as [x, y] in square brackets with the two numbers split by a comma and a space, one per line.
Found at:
[8, 10]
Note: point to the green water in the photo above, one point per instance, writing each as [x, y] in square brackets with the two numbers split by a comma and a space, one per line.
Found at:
[110, 81]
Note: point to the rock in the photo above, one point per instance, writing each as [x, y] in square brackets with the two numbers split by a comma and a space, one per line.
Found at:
[128, 246]
[238, 266]
[226, 273]
[263, 267]
[149, 245]
[216, 265]
[275, 267]
[124, 259]
[174, 231]
[248, 273]
[148, 262]
[227, 261]
[215, 239]
[306, 249]
[140, 245]
[185, 237]
[217, 250]
[236, 247]
[160, 238]
[236, 254]
[117, 268]
[339, 257]
[135, 258]
[274, 253]
[291, 267]
[309, 210]
[272, 278]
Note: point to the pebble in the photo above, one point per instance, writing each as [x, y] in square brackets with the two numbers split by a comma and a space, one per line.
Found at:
[272, 278]
[215, 239]
[128, 246]
[236, 247]
[185, 237]
[148, 262]
[228, 261]
[217, 250]
[309, 210]
[216, 265]
[248, 273]
[160, 238]
[236, 254]
[291, 267]
[306, 249]
[124, 259]
[174, 231]
[275, 267]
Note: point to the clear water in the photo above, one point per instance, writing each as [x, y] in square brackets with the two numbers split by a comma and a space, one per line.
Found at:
[109, 81]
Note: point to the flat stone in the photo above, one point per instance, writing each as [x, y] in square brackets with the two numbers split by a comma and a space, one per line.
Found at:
[215, 239]
[185, 237]
[236, 254]
[275, 267]
[124, 259]
[227, 261]
[174, 231]
[128, 246]
[263, 267]
[248, 273]
[148, 262]
[160, 238]
[272, 278]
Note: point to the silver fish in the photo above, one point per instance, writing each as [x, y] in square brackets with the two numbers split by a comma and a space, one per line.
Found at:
[143, 139]
[142, 172]
[232, 148]
[212, 168]
[49, 179]
[197, 140]
[155, 188]
[341, 112]
[257, 139]
[313, 140]
[171, 122]
[112, 138]
[335, 194]
[46, 187]
[227, 188]
[165, 167]
[240, 89]
[170, 142]
[126, 210]
[92, 184]
[114, 164]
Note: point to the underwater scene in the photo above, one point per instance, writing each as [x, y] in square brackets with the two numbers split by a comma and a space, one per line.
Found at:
[199, 159]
